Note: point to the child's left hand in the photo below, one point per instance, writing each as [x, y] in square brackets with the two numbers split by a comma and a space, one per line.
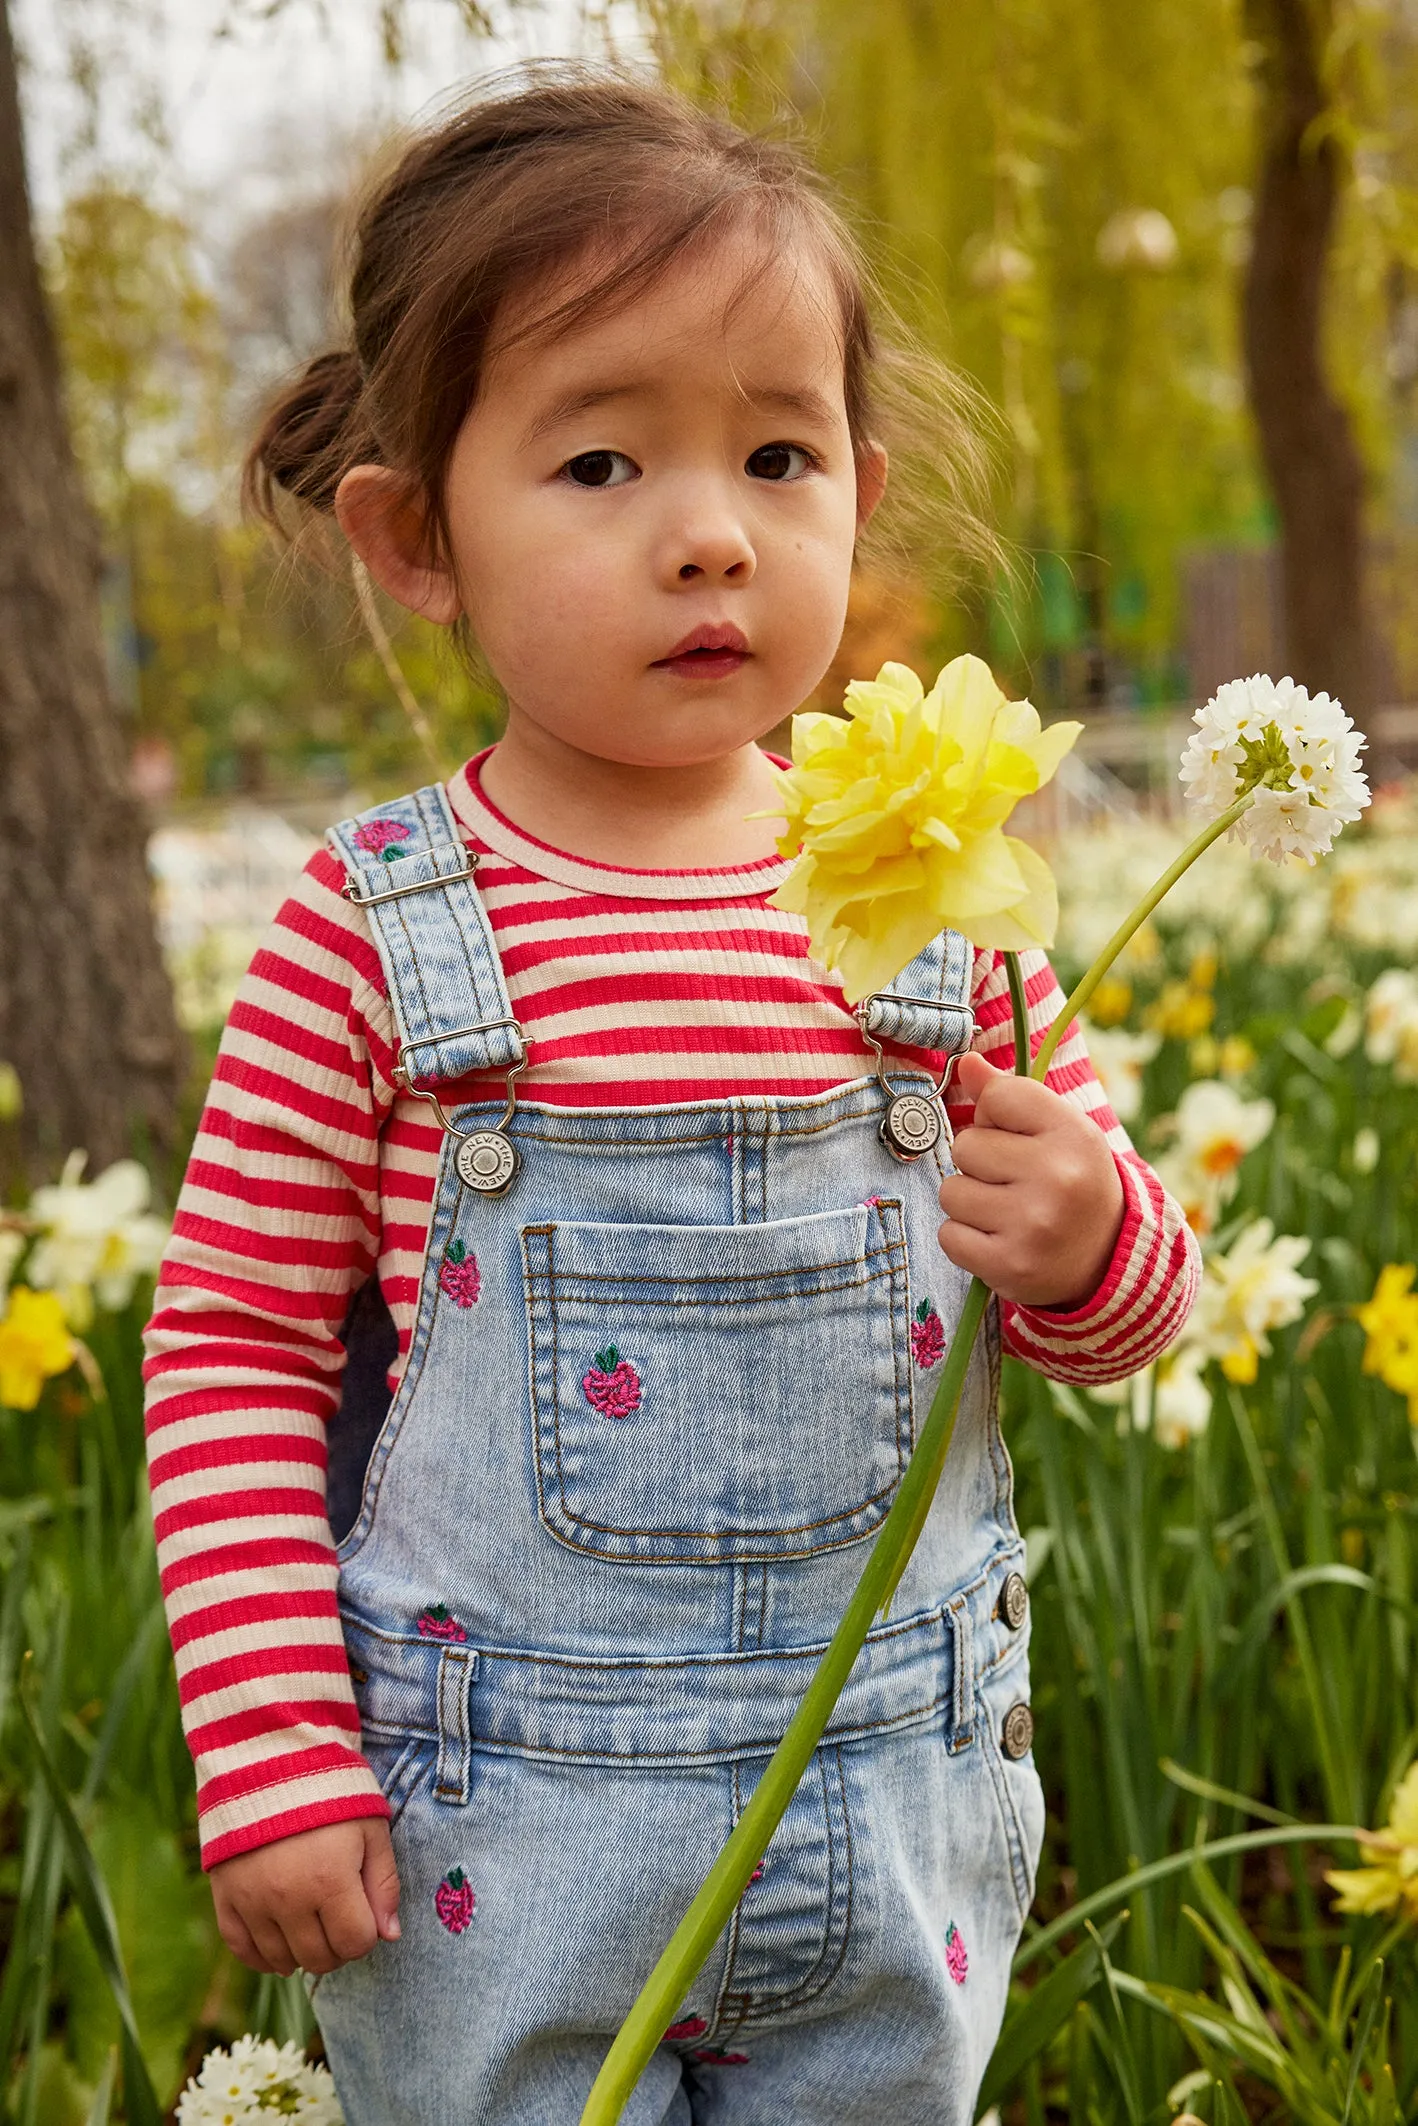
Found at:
[1035, 1204]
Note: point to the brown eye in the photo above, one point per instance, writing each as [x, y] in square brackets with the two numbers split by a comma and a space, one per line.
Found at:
[778, 461]
[599, 468]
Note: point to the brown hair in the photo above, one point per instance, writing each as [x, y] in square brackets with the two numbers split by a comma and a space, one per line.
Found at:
[516, 187]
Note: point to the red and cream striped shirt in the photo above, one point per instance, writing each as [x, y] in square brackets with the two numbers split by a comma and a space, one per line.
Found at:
[312, 1171]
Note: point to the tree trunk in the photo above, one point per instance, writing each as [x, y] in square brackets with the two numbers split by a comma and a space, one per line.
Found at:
[86, 1013]
[1306, 438]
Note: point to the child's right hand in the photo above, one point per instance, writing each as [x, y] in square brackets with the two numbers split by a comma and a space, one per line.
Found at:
[315, 1901]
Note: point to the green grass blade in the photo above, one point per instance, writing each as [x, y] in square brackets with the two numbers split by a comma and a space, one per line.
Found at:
[141, 2106]
[1033, 2024]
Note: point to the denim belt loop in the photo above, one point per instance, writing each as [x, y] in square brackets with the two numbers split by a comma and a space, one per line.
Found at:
[963, 1664]
[457, 1668]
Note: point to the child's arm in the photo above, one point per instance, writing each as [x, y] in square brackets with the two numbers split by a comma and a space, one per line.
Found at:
[278, 1223]
[1094, 1261]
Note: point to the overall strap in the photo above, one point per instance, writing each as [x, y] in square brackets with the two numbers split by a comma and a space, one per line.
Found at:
[409, 868]
[928, 1005]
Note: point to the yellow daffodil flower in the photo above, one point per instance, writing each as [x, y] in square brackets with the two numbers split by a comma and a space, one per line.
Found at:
[1388, 1879]
[34, 1343]
[898, 811]
[1390, 1323]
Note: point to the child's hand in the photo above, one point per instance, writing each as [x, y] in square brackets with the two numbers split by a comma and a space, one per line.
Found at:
[1035, 1205]
[316, 1900]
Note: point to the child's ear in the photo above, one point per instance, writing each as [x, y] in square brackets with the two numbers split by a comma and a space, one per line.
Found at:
[385, 522]
[871, 481]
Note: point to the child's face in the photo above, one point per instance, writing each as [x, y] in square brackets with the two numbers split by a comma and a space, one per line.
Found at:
[680, 465]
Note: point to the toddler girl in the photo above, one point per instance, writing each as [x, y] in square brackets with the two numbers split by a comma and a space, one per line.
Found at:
[532, 1056]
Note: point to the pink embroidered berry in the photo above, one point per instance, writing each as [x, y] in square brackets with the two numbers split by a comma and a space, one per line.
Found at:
[381, 837]
[757, 1875]
[957, 1963]
[612, 1386]
[720, 2059]
[459, 1274]
[436, 1622]
[454, 1901]
[692, 2026]
[927, 1335]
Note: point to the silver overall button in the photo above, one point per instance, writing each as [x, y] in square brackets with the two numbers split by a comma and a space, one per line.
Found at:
[1014, 1601]
[1018, 1732]
[486, 1161]
[911, 1125]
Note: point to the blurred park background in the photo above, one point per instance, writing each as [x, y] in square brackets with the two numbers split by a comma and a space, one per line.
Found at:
[1176, 248]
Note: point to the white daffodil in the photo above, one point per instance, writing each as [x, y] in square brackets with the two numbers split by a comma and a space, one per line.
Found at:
[1181, 1400]
[1391, 1023]
[254, 2080]
[1254, 1287]
[1214, 1128]
[1298, 754]
[1120, 1058]
[96, 1237]
[12, 1246]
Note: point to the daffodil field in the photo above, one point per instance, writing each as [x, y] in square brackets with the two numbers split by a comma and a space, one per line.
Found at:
[1223, 1562]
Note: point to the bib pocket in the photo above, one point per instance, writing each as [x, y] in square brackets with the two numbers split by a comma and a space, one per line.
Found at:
[711, 1394]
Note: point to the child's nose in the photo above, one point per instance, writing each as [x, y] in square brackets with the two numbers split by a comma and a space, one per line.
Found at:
[713, 544]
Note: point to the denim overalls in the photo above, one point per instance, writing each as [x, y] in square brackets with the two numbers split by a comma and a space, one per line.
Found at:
[661, 1390]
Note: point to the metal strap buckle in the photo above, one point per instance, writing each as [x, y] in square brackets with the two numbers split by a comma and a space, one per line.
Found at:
[914, 1122]
[486, 1159]
[419, 885]
[400, 1072]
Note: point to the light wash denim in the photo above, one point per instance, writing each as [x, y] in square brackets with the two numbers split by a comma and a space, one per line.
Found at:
[659, 1397]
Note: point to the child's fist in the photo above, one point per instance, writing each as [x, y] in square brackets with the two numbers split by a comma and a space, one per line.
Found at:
[313, 1901]
[1035, 1204]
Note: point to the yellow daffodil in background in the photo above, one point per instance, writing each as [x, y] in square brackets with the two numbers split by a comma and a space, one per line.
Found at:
[1388, 1880]
[1390, 1324]
[34, 1343]
[898, 811]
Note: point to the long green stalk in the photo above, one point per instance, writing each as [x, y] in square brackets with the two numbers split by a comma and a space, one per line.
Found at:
[663, 1992]
[714, 1901]
[1079, 996]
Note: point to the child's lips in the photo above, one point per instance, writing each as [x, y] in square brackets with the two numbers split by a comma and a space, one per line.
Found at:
[711, 651]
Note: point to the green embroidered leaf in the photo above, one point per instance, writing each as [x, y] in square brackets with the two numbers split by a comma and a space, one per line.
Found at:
[608, 1360]
[925, 1310]
[457, 1250]
[392, 851]
[454, 1878]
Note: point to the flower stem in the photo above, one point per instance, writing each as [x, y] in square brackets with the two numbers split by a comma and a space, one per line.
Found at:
[1019, 1012]
[664, 1991]
[1134, 922]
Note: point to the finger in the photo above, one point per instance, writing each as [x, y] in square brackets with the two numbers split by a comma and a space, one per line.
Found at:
[979, 1254]
[1018, 1104]
[380, 1876]
[237, 1936]
[973, 1203]
[995, 1155]
[349, 1924]
[310, 1945]
[272, 1945]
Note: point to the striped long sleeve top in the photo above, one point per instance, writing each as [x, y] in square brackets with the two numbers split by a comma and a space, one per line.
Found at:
[312, 1172]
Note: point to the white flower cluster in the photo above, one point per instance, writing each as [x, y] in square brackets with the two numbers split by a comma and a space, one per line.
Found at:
[1298, 755]
[96, 1238]
[1254, 1287]
[1391, 1023]
[259, 2079]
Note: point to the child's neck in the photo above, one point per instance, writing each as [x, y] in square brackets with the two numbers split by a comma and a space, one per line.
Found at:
[642, 819]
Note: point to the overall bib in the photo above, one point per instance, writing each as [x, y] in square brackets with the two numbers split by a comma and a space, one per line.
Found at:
[661, 1390]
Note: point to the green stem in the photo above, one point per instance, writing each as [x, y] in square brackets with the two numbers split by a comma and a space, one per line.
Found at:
[1019, 1012]
[663, 1992]
[1117, 1893]
[1134, 922]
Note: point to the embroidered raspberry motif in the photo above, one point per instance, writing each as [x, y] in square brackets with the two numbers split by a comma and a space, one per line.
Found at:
[957, 1963]
[692, 2026]
[612, 1386]
[436, 1622]
[720, 2059]
[927, 1335]
[454, 1901]
[459, 1274]
[381, 837]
